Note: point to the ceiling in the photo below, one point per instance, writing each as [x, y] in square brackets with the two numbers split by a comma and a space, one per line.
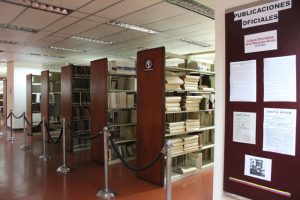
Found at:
[89, 19]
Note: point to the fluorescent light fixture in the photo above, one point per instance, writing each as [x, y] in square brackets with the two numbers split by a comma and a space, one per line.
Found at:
[66, 49]
[8, 42]
[40, 6]
[131, 27]
[93, 40]
[46, 55]
[195, 7]
[201, 44]
[19, 28]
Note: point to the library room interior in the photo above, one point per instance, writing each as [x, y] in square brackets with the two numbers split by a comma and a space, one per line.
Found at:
[149, 99]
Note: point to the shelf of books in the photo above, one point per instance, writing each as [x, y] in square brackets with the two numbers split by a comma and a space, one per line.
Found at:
[75, 106]
[117, 106]
[33, 108]
[50, 101]
[187, 103]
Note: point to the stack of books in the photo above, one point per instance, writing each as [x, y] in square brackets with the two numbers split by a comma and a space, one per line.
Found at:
[192, 125]
[191, 103]
[175, 128]
[173, 104]
[191, 83]
[173, 83]
[177, 147]
[191, 143]
[195, 160]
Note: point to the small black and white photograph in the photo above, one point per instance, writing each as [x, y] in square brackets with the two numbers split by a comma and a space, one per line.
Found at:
[258, 167]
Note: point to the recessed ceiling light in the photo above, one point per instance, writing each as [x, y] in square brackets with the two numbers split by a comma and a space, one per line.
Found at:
[46, 55]
[66, 49]
[132, 27]
[18, 28]
[93, 40]
[201, 44]
[195, 7]
[40, 6]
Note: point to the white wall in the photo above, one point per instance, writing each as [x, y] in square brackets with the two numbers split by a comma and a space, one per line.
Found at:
[221, 6]
[16, 80]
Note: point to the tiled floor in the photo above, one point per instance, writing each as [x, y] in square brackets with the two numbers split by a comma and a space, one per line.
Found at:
[24, 177]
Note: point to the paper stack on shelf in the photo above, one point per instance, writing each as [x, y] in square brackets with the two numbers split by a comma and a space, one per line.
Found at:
[173, 83]
[117, 100]
[191, 143]
[175, 128]
[184, 169]
[173, 104]
[177, 147]
[192, 125]
[191, 103]
[191, 82]
[195, 160]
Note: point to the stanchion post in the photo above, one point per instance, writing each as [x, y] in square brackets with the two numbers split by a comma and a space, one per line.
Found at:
[106, 193]
[25, 146]
[168, 146]
[44, 157]
[11, 139]
[4, 117]
[64, 169]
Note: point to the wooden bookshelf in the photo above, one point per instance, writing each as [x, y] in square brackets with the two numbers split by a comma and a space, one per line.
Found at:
[107, 90]
[50, 101]
[153, 114]
[33, 95]
[75, 105]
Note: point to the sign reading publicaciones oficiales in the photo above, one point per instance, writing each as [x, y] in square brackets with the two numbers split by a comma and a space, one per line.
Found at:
[262, 14]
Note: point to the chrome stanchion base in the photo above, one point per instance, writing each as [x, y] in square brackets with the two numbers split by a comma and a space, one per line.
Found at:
[11, 139]
[1, 133]
[106, 194]
[44, 157]
[26, 147]
[63, 169]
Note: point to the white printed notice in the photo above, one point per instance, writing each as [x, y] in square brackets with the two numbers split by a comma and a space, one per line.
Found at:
[264, 41]
[258, 167]
[279, 134]
[243, 81]
[244, 127]
[262, 14]
[280, 79]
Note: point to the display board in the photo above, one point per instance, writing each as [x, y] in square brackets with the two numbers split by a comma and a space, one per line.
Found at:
[262, 101]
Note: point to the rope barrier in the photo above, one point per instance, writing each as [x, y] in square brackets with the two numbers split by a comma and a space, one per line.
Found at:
[5, 116]
[18, 117]
[115, 148]
[50, 138]
[30, 125]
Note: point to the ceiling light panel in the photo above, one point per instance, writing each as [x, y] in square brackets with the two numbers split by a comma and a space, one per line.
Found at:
[132, 27]
[40, 6]
[70, 4]
[18, 28]
[195, 7]
[193, 42]
[46, 55]
[9, 11]
[93, 40]
[66, 49]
